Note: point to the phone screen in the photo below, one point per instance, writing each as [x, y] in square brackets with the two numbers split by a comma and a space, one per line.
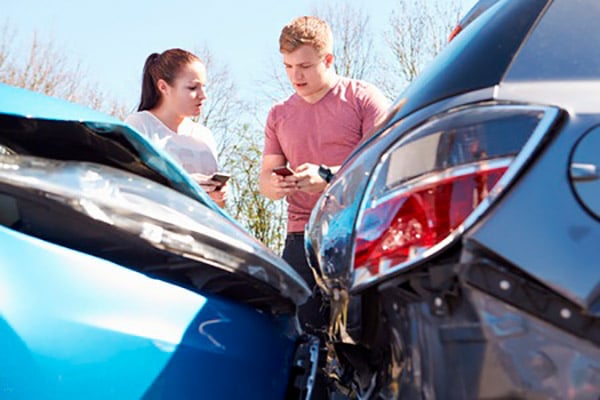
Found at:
[220, 177]
[283, 171]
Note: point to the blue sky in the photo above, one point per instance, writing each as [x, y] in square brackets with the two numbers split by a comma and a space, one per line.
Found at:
[112, 38]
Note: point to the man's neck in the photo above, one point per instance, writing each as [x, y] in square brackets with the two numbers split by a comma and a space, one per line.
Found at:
[315, 97]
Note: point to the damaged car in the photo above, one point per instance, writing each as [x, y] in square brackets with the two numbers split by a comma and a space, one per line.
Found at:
[458, 247]
[120, 278]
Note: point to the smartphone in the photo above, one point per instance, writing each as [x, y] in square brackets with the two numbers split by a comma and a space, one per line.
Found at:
[284, 171]
[220, 178]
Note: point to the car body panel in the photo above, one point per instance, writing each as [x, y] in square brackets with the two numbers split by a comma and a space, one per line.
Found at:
[24, 103]
[555, 247]
[87, 332]
[558, 49]
[583, 173]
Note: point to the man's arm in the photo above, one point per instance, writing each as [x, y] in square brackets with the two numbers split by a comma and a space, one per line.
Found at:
[375, 107]
[271, 185]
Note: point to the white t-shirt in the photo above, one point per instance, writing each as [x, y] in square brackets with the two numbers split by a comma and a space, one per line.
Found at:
[193, 147]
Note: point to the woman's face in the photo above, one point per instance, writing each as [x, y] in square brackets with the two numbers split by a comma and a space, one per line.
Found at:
[187, 93]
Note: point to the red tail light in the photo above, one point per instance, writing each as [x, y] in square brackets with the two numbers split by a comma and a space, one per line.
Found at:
[419, 219]
[437, 180]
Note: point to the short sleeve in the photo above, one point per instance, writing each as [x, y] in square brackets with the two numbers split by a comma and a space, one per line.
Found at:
[374, 106]
[137, 122]
[272, 145]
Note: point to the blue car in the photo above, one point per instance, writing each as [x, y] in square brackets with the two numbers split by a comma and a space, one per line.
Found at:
[119, 278]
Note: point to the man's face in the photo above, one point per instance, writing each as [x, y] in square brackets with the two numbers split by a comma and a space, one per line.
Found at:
[187, 94]
[308, 71]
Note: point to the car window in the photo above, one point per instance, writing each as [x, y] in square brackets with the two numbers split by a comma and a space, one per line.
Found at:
[559, 49]
[478, 57]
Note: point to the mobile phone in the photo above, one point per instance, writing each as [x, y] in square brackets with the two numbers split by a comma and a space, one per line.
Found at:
[220, 178]
[284, 171]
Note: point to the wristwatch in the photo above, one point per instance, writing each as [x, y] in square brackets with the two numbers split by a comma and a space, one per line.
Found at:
[325, 173]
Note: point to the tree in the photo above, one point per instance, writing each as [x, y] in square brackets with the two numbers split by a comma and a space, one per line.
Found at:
[263, 218]
[353, 39]
[224, 109]
[47, 70]
[417, 32]
[238, 131]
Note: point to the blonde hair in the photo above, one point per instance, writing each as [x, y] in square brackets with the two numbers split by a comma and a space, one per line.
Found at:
[306, 30]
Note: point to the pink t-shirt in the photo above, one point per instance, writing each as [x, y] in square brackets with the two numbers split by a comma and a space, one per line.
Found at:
[325, 132]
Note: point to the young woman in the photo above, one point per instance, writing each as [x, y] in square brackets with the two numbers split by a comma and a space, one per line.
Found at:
[173, 91]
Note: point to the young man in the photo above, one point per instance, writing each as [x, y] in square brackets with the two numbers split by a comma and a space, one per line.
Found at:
[319, 125]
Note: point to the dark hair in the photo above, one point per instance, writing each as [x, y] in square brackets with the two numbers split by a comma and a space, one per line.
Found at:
[165, 66]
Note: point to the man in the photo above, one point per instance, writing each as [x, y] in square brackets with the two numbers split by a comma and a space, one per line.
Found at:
[315, 128]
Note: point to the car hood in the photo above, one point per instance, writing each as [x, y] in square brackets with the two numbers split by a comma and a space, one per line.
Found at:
[32, 105]
[142, 225]
[65, 150]
[38, 125]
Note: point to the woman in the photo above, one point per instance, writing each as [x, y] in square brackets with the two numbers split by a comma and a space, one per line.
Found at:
[173, 91]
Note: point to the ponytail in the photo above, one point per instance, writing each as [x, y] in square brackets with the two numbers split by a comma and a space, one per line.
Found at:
[150, 94]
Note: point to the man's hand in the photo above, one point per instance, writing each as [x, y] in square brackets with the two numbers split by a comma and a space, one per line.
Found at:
[271, 185]
[308, 179]
[283, 185]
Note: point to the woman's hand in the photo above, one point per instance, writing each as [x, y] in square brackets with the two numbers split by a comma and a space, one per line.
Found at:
[204, 180]
[216, 191]
[219, 195]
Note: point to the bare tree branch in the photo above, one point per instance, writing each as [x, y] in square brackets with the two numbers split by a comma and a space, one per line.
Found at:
[45, 69]
[417, 32]
[353, 39]
[275, 86]
[240, 149]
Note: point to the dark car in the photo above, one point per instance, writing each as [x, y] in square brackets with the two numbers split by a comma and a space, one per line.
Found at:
[471, 16]
[119, 278]
[459, 246]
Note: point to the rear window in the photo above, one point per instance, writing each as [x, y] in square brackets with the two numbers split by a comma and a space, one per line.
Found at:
[564, 45]
[478, 57]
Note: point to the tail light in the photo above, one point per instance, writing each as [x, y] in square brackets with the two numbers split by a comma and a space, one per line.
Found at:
[437, 180]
